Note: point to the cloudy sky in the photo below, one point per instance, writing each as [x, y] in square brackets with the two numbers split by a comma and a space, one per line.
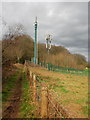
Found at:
[67, 22]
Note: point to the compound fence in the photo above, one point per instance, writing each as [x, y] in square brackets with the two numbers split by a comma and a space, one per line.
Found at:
[44, 98]
[63, 69]
[55, 68]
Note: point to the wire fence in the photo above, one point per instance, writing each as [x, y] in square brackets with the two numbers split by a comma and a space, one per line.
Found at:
[44, 98]
[63, 69]
[55, 68]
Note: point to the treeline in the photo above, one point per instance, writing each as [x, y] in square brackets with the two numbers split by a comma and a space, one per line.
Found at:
[21, 48]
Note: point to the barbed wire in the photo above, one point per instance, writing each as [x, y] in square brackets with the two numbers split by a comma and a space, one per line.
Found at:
[50, 100]
[55, 107]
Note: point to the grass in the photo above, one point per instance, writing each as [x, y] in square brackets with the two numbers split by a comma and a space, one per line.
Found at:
[43, 79]
[6, 91]
[64, 90]
[27, 108]
[85, 109]
[72, 89]
[83, 73]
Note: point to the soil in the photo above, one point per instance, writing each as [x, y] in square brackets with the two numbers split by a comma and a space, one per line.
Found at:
[12, 109]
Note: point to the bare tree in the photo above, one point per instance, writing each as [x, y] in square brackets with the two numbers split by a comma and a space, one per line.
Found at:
[12, 31]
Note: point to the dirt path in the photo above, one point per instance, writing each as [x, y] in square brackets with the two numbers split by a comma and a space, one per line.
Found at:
[11, 111]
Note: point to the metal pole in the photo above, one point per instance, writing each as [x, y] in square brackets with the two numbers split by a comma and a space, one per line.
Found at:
[35, 43]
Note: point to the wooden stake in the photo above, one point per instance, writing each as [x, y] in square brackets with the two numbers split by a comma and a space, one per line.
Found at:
[34, 88]
[30, 72]
[44, 102]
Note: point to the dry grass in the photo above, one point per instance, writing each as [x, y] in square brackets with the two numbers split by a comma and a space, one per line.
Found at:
[72, 90]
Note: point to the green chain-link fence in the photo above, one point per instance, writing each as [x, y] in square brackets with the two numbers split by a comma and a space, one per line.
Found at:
[63, 69]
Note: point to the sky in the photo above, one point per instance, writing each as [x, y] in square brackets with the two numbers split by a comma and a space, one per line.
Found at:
[67, 22]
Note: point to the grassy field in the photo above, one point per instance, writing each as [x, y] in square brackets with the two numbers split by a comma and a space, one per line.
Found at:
[69, 90]
[72, 90]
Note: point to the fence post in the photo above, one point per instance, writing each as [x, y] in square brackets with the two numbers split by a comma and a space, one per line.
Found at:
[47, 66]
[24, 69]
[34, 88]
[44, 102]
[30, 72]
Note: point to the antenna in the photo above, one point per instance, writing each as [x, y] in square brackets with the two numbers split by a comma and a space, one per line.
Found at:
[48, 39]
[35, 19]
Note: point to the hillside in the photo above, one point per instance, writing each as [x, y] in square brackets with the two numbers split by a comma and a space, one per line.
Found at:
[26, 90]
[21, 48]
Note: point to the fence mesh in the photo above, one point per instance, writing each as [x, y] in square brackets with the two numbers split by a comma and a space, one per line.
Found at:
[53, 108]
[63, 69]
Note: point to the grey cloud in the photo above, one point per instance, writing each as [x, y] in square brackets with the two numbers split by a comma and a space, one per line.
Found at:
[67, 22]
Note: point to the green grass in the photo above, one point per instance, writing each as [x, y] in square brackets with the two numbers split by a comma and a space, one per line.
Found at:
[43, 78]
[85, 109]
[63, 83]
[61, 86]
[27, 108]
[79, 101]
[83, 73]
[6, 91]
[58, 87]
[89, 109]
[64, 90]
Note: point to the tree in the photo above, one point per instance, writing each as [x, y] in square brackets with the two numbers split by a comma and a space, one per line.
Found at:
[80, 59]
[12, 31]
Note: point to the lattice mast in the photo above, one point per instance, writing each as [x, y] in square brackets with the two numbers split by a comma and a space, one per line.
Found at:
[35, 42]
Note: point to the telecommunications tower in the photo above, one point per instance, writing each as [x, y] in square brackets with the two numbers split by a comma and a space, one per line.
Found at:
[48, 42]
[35, 42]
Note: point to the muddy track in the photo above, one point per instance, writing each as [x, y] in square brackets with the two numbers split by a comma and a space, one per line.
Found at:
[11, 111]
